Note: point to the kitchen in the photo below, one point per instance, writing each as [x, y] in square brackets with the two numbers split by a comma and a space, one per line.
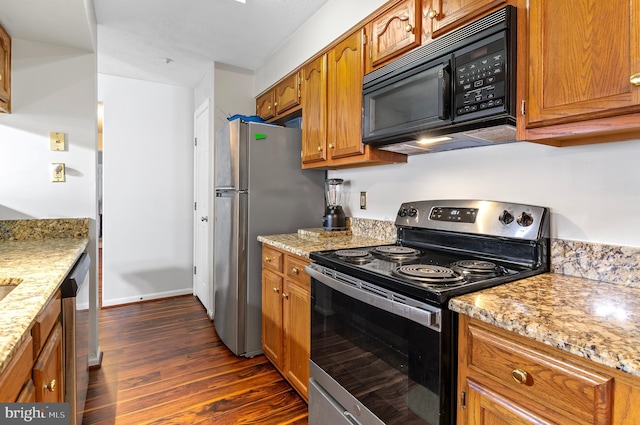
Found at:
[591, 190]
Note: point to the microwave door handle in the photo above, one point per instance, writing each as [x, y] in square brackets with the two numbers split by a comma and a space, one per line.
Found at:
[444, 85]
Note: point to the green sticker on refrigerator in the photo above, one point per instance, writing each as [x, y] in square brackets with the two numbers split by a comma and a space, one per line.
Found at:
[260, 136]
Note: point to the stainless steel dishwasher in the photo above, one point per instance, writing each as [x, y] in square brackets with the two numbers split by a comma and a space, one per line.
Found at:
[75, 319]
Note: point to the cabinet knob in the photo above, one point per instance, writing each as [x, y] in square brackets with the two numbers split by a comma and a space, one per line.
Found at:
[319, 148]
[275, 104]
[295, 270]
[275, 290]
[0, 77]
[285, 296]
[635, 79]
[330, 145]
[520, 376]
[432, 14]
[51, 386]
[267, 259]
[409, 28]
[269, 107]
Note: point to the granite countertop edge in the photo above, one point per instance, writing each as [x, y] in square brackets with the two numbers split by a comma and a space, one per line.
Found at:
[42, 265]
[591, 319]
[302, 245]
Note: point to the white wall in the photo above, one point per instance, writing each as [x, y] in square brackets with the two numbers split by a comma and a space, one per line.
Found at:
[148, 189]
[54, 90]
[593, 191]
[233, 93]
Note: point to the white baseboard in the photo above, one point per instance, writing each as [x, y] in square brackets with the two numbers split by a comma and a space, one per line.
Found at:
[146, 297]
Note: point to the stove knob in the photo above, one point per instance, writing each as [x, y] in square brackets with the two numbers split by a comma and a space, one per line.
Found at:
[525, 219]
[402, 212]
[506, 217]
[413, 212]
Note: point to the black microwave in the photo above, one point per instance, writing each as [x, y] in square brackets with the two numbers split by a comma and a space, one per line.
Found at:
[462, 81]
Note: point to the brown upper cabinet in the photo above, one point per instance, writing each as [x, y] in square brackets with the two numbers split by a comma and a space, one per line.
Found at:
[314, 110]
[5, 71]
[393, 33]
[579, 75]
[281, 100]
[332, 109]
[447, 15]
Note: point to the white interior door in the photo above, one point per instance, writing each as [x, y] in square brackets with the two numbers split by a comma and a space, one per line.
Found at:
[203, 218]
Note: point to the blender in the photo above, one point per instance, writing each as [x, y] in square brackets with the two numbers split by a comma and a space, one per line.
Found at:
[334, 218]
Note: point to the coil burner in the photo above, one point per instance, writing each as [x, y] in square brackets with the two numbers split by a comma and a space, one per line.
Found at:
[356, 256]
[478, 268]
[427, 273]
[397, 253]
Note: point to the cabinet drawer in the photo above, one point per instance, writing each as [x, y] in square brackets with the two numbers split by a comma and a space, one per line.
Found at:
[47, 371]
[295, 271]
[44, 323]
[17, 372]
[541, 379]
[272, 259]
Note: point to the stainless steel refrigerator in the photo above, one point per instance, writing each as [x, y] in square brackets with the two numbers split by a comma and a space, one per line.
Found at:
[260, 190]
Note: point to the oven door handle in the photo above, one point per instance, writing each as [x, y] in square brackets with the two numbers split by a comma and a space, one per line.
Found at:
[420, 313]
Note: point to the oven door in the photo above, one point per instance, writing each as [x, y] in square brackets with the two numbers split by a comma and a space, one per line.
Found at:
[376, 356]
[405, 103]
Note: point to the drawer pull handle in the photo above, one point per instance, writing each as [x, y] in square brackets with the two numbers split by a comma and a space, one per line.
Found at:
[51, 386]
[295, 271]
[520, 376]
[267, 259]
[635, 79]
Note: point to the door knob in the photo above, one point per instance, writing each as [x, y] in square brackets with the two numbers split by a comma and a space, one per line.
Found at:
[204, 218]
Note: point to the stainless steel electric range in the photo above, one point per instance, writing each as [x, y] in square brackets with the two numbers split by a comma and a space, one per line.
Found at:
[383, 342]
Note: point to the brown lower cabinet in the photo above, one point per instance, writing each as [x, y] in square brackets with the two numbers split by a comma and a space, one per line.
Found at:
[504, 378]
[286, 315]
[35, 372]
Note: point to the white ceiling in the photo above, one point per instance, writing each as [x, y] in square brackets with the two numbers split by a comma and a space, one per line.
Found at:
[135, 37]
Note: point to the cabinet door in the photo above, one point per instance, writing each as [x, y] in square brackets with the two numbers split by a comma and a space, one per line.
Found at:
[17, 372]
[47, 372]
[297, 325]
[314, 110]
[394, 32]
[264, 106]
[447, 15]
[287, 94]
[581, 71]
[485, 407]
[272, 317]
[345, 73]
[5, 71]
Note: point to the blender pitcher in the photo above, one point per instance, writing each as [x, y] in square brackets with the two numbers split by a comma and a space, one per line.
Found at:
[334, 218]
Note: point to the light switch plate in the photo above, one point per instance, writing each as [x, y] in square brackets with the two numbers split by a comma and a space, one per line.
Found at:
[57, 171]
[57, 141]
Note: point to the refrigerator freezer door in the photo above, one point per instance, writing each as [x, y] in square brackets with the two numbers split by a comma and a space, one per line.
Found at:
[230, 269]
[231, 156]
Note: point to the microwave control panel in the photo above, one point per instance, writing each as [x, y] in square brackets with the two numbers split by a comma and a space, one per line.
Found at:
[480, 79]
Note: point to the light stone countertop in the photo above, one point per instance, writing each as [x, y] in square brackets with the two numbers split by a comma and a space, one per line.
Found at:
[592, 319]
[42, 265]
[301, 244]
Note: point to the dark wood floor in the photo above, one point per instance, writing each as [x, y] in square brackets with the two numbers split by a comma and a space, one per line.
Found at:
[164, 364]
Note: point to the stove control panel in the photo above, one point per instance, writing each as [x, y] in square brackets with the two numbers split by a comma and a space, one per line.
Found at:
[461, 215]
[478, 217]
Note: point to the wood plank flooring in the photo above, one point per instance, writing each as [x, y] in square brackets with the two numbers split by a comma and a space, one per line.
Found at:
[164, 364]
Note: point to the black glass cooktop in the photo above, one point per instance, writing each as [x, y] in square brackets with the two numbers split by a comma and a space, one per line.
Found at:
[425, 274]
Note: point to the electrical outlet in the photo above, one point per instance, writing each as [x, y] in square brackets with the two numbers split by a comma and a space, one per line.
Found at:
[363, 200]
[57, 172]
[57, 141]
